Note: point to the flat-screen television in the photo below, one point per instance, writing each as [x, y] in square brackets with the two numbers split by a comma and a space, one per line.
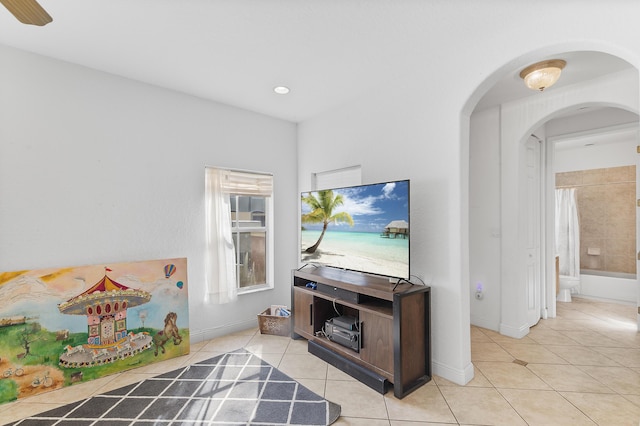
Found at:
[362, 228]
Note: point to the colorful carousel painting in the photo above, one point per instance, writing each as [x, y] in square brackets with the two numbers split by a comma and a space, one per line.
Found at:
[56, 330]
[105, 305]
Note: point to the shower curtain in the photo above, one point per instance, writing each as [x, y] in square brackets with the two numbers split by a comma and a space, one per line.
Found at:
[567, 232]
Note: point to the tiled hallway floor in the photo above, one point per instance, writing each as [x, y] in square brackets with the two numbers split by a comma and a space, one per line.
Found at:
[581, 368]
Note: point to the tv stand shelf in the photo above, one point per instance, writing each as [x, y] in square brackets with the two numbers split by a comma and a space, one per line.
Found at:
[393, 326]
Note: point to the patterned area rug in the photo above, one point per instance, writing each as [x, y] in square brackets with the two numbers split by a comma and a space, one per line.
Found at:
[236, 388]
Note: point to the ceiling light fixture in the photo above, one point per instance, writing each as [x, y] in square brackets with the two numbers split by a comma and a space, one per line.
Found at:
[281, 90]
[543, 74]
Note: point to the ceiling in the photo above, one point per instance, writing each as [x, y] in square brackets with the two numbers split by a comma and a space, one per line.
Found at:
[236, 51]
[622, 134]
[581, 66]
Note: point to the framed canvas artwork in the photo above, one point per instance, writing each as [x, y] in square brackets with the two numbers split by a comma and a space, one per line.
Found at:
[61, 326]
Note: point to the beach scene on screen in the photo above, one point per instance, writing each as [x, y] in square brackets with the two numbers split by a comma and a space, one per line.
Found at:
[363, 228]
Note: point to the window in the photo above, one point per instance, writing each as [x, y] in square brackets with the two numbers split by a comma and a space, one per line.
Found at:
[249, 231]
[239, 232]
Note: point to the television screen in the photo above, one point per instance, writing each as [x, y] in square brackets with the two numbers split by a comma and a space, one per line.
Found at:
[361, 228]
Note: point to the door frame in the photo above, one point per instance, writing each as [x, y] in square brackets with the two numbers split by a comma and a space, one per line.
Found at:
[535, 206]
[550, 200]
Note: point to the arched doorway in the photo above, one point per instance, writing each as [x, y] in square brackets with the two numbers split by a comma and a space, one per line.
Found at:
[497, 145]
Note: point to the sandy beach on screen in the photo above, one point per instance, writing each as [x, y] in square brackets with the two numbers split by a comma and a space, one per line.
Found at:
[336, 255]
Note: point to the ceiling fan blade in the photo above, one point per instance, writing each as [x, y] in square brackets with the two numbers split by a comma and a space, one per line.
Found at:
[27, 11]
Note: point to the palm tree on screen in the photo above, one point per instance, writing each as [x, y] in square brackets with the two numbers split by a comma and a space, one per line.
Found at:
[322, 209]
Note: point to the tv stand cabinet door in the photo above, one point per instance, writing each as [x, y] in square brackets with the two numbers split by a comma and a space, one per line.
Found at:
[303, 313]
[377, 341]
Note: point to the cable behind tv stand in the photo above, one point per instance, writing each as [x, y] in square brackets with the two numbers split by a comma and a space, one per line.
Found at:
[392, 329]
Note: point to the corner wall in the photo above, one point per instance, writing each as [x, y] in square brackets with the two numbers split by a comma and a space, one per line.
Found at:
[95, 169]
[484, 218]
[391, 135]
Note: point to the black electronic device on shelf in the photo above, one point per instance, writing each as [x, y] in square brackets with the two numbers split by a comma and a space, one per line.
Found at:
[344, 331]
[339, 293]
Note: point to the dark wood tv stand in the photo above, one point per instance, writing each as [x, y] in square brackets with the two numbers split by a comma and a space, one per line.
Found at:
[394, 345]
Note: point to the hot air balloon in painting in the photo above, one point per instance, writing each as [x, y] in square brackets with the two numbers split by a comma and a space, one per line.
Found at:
[169, 270]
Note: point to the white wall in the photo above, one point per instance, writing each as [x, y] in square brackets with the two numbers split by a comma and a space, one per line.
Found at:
[97, 169]
[484, 218]
[596, 157]
[390, 132]
[615, 154]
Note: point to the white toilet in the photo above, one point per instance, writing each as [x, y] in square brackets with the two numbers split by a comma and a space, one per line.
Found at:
[567, 286]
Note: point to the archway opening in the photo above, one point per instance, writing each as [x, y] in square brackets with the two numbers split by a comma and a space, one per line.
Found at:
[498, 133]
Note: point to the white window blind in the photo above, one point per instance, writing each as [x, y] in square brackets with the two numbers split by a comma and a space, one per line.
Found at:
[339, 178]
[245, 183]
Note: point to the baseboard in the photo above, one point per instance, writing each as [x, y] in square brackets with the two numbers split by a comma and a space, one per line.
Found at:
[457, 376]
[484, 322]
[515, 332]
[198, 336]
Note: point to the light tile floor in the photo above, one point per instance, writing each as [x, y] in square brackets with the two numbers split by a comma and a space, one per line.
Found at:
[582, 368]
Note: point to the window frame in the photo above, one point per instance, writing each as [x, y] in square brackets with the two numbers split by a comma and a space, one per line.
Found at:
[267, 229]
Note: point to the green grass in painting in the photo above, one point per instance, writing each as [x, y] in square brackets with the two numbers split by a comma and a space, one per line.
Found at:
[30, 344]
[8, 390]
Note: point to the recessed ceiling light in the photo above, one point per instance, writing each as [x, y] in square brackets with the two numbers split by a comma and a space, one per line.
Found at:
[281, 90]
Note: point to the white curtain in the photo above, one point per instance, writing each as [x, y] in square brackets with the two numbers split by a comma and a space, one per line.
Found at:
[220, 262]
[567, 232]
